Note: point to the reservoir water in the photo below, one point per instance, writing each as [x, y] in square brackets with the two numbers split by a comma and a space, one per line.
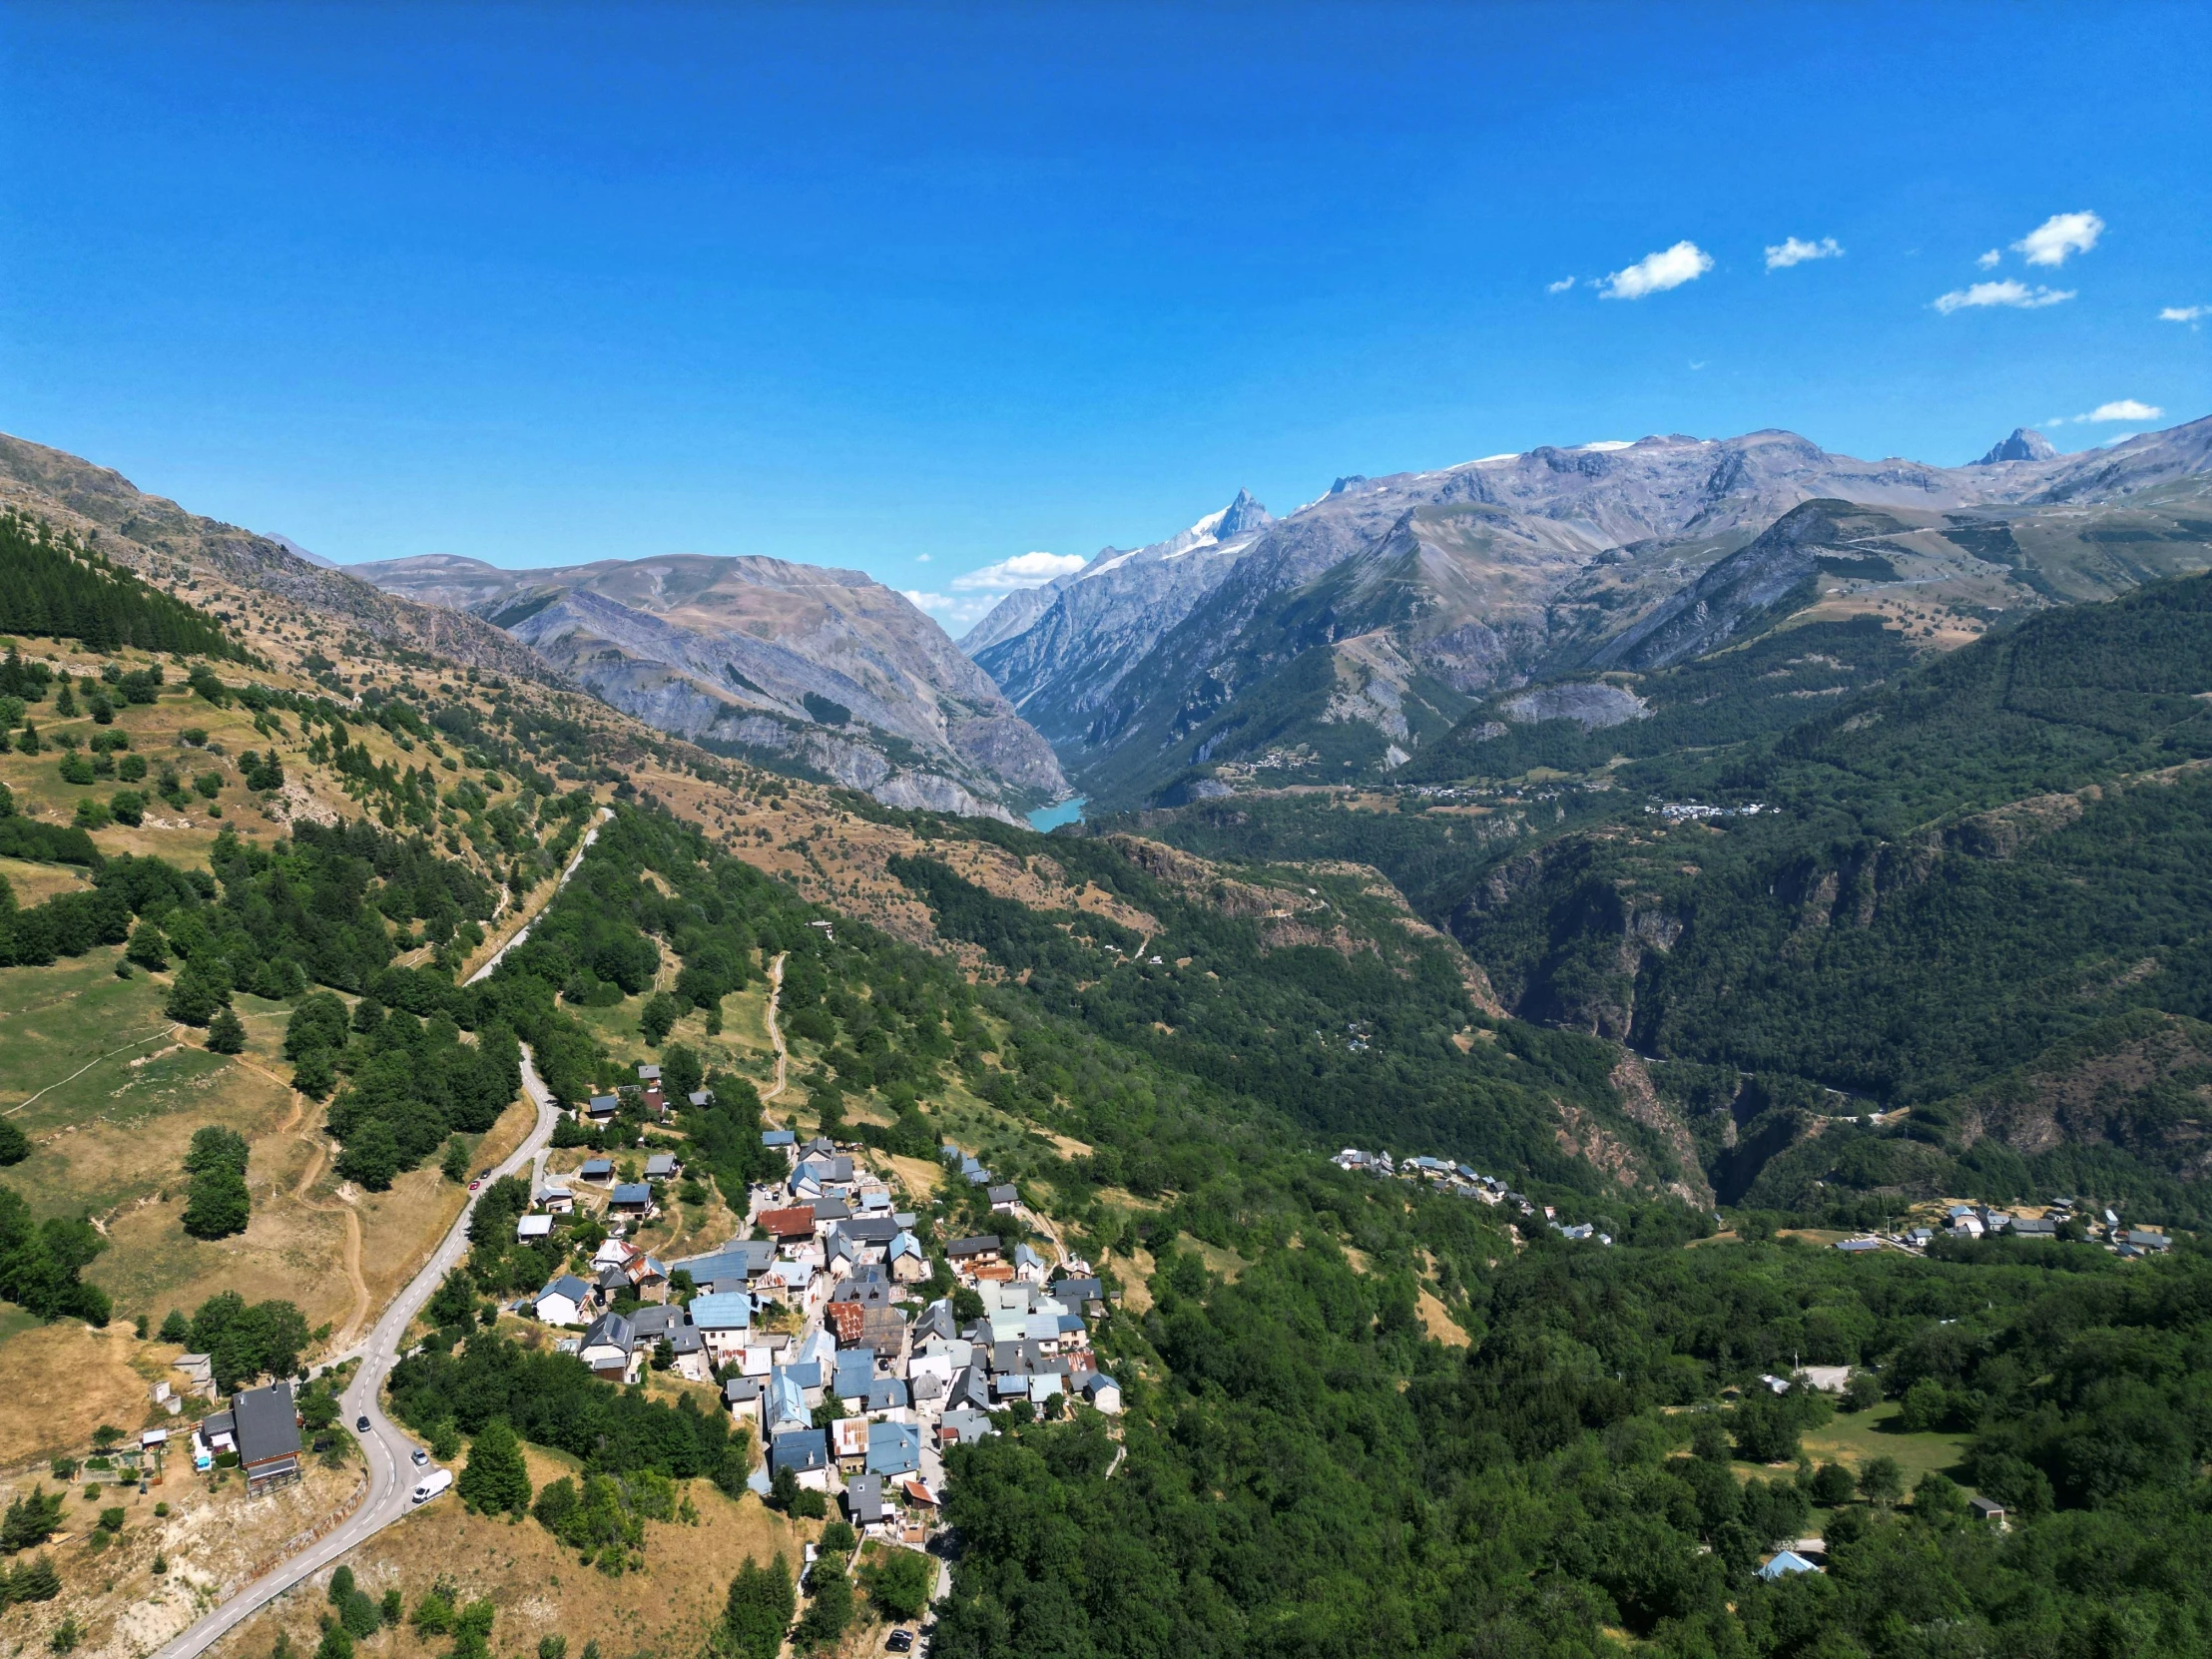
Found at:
[1051, 817]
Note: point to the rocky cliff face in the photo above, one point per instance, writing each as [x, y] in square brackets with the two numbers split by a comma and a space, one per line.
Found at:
[823, 668]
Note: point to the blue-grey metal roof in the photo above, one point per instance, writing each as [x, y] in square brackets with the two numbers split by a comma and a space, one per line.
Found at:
[893, 1449]
[723, 1311]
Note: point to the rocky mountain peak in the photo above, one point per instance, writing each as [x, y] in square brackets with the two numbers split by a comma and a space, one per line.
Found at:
[1243, 514]
[2023, 446]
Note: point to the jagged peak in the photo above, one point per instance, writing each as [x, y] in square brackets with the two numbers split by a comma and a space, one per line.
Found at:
[2024, 444]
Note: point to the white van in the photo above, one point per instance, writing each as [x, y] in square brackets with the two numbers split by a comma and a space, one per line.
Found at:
[432, 1484]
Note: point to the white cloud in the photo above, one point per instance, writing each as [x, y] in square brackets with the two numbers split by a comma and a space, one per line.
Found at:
[2061, 234]
[1560, 286]
[1790, 251]
[1685, 262]
[1023, 570]
[1989, 261]
[956, 615]
[2184, 314]
[921, 558]
[2125, 409]
[2008, 293]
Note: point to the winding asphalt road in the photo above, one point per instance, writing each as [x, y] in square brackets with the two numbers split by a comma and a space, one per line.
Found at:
[391, 1472]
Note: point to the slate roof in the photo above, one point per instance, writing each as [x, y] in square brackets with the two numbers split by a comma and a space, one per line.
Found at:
[597, 1169]
[570, 1285]
[611, 1331]
[734, 1262]
[631, 1192]
[864, 1500]
[867, 1286]
[983, 1243]
[800, 1450]
[267, 1423]
[778, 1137]
[659, 1167]
[965, 1427]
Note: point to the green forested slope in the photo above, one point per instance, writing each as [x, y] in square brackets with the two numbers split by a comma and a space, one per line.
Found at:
[52, 585]
[1946, 875]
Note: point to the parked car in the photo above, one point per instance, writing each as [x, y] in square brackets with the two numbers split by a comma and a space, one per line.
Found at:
[900, 1642]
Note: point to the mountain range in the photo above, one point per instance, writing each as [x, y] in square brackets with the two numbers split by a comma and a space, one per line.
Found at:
[1332, 644]
[824, 670]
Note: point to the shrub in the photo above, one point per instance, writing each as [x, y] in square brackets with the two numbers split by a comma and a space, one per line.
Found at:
[226, 1033]
[899, 1583]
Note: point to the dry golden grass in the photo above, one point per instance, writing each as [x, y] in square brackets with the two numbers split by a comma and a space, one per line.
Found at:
[919, 1176]
[538, 1587]
[65, 1380]
[36, 883]
[1436, 1321]
[214, 1539]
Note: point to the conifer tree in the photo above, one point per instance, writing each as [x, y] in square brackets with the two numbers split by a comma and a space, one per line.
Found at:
[496, 1480]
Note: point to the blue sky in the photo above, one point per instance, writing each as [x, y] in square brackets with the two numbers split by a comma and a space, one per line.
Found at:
[920, 289]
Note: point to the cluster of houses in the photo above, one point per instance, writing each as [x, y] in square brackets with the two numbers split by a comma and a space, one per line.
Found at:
[1465, 1182]
[907, 1393]
[907, 1389]
[1976, 1221]
[1984, 1221]
[1437, 1172]
[826, 1307]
